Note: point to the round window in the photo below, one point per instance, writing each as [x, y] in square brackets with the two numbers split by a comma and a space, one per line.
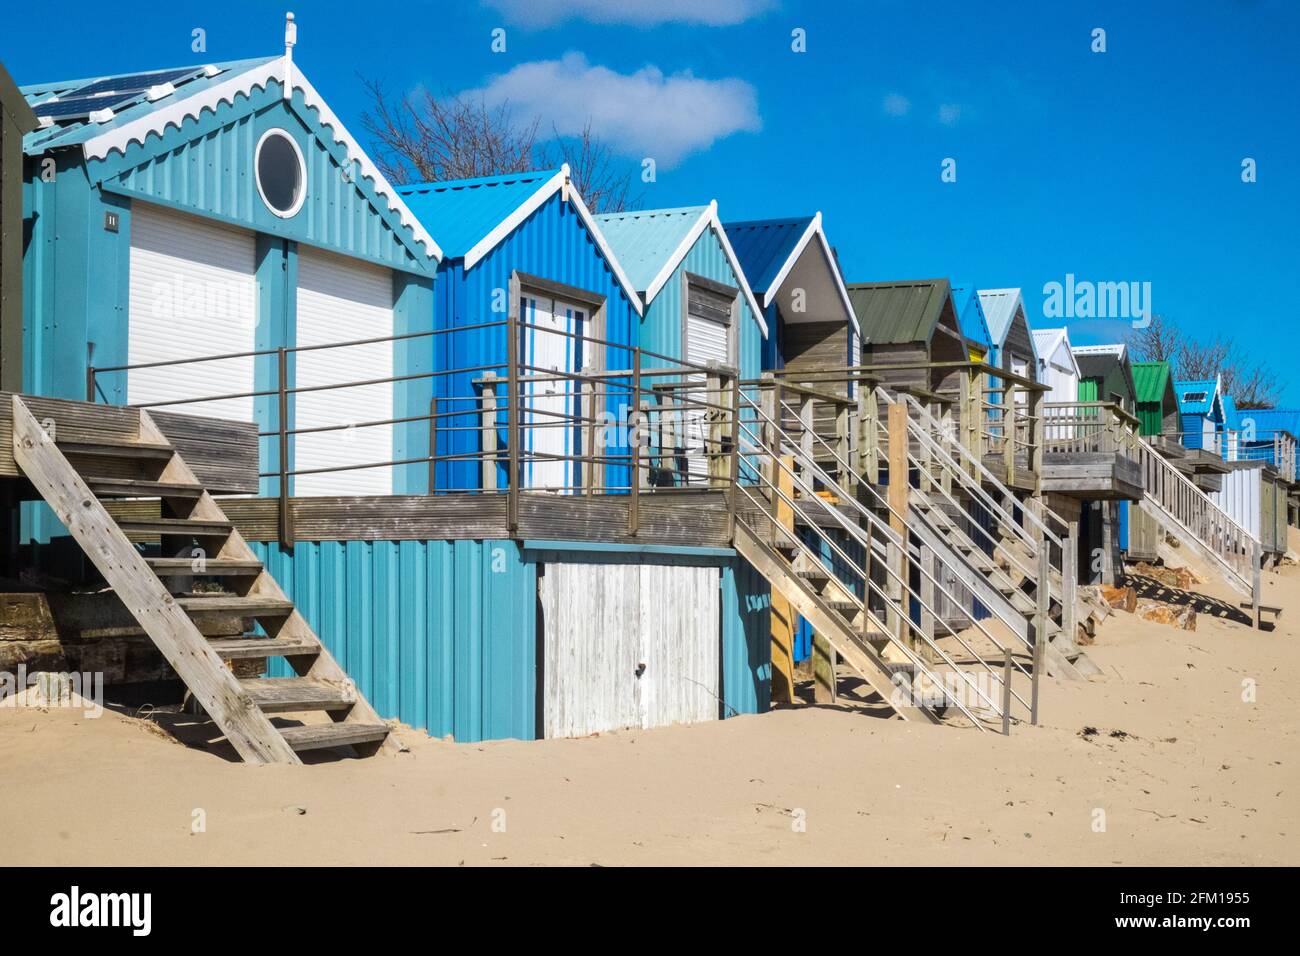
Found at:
[281, 173]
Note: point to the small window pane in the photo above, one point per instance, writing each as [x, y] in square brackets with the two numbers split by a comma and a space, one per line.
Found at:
[279, 173]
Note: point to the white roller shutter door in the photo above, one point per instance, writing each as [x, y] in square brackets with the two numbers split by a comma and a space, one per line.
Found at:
[341, 300]
[193, 292]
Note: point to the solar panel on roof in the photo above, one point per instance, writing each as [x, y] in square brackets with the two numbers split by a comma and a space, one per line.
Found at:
[82, 105]
[136, 82]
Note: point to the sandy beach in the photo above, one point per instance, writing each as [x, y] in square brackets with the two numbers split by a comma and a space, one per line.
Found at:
[1159, 760]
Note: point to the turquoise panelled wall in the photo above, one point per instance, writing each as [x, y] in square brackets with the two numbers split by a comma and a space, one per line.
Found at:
[661, 326]
[206, 167]
[443, 635]
[412, 314]
[439, 634]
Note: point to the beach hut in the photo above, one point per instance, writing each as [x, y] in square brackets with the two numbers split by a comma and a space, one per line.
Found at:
[910, 325]
[698, 308]
[1105, 375]
[523, 244]
[1011, 344]
[1157, 403]
[1057, 367]
[974, 324]
[797, 282]
[1200, 409]
[223, 209]
[16, 120]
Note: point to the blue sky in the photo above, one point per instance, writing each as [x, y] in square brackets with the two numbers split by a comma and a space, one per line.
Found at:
[1122, 166]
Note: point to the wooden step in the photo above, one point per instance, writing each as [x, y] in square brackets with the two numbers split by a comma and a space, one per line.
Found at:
[235, 605]
[244, 648]
[844, 607]
[321, 736]
[131, 488]
[212, 567]
[278, 695]
[143, 451]
[177, 526]
[813, 574]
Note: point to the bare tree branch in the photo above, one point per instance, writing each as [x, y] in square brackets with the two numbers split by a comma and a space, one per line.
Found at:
[426, 138]
[1251, 385]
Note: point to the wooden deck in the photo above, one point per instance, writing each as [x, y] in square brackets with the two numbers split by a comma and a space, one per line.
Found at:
[222, 454]
[673, 518]
[1107, 476]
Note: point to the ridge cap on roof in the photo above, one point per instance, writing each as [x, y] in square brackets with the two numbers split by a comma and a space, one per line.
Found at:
[497, 179]
[665, 211]
[779, 221]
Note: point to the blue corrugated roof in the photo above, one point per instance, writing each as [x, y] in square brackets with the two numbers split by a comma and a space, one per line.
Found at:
[459, 213]
[1269, 421]
[78, 131]
[1201, 406]
[764, 245]
[970, 313]
[645, 239]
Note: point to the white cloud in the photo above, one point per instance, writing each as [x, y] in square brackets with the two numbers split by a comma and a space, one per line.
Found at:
[547, 13]
[641, 114]
[896, 104]
[949, 113]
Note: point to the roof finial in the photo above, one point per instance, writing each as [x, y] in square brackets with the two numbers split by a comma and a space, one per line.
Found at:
[290, 40]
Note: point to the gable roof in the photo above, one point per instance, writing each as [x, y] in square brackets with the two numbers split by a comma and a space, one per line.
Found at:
[651, 243]
[185, 93]
[769, 248]
[970, 315]
[1200, 406]
[475, 215]
[1231, 418]
[1047, 342]
[1153, 380]
[1000, 309]
[893, 313]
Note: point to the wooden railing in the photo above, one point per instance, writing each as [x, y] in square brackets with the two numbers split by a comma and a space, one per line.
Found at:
[1195, 516]
[1090, 427]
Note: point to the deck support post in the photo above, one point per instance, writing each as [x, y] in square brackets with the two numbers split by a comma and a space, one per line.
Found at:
[634, 453]
[284, 506]
[897, 498]
[513, 435]
[489, 432]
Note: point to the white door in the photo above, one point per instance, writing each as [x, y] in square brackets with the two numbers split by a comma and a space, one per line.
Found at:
[192, 293]
[341, 300]
[708, 339]
[550, 431]
[617, 654]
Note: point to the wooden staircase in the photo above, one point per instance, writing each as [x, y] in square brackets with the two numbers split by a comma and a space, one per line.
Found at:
[197, 542]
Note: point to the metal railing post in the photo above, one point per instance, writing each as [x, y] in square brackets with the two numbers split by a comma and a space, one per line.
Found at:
[1006, 691]
[634, 439]
[513, 435]
[90, 383]
[282, 395]
[433, 445]
[734, 431]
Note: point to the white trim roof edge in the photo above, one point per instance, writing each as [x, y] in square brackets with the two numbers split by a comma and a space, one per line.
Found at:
[814, 229]
[185, 107]
[716, 222]
[602, 243]
[512, 222]
[678, 254]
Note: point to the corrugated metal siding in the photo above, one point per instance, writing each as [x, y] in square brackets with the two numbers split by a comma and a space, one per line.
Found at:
[551, 244]
[1088, 389]
[442, 635]
[438, 634]
[1193, 427]
[208, 167]
[1241, 497]
[746, 639]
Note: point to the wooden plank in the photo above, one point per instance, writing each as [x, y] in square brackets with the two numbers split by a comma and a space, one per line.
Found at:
[258, 607]
[136, 488]
[281, 695]
[323, 666]
[201, 567]
[322, 736]
[250, 648]
[125, 570]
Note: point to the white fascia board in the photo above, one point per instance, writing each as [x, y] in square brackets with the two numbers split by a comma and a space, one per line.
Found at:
[603, 245]
[175, 114]
[716, 222]
[677, 256]
[514, 220]
[815, 229]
